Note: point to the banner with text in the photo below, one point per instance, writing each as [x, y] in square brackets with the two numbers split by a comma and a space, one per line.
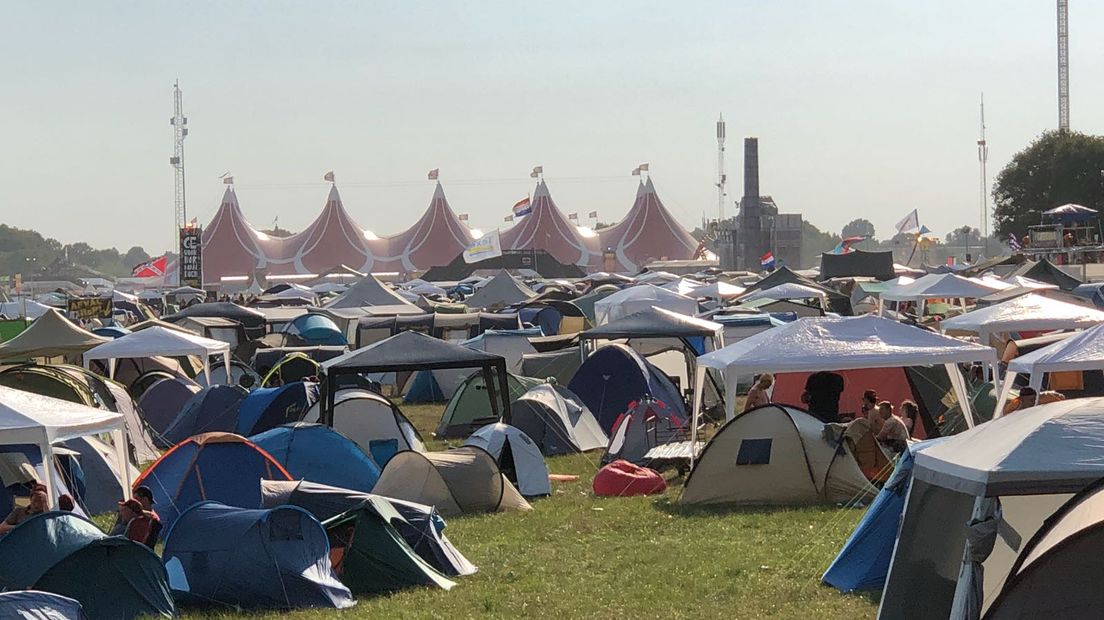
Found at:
[191, 257]
[88, 308]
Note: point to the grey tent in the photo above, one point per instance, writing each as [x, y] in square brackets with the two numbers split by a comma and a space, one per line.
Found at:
[422, 527]
[410, 351]
[466, 480]
[518, 457]
[369, 291]
[1047, 272]
[560, 364]
[50, 335]
[837, 302]
[557, 421]
[858, 263]
[500, 291]
[468, 408]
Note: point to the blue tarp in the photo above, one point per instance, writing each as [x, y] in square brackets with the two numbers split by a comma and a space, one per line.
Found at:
[217, 466]
[615, 376]
[66, 554]
[424, 389]
[863, 563]
[213, 410]
[256, 559]
[320, 454]
[316, 329]
[34, 605]
[267, 408]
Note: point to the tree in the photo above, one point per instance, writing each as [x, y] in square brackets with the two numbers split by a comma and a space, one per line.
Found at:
[814, 242]
[963, 236]
[1057, 168]
[135, 256]
[858, 228]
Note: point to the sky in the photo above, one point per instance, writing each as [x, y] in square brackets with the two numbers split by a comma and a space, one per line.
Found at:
[863, 108]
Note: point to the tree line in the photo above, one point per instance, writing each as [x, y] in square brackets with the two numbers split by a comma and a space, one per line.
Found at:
[27, 252]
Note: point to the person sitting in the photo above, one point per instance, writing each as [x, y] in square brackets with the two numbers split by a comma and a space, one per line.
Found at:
[893, 433]
[39, 503]
[133, 522]
[1028, 396]
[759, 395]
[144, 495]
[66, 503]
[870, 411]
[910, 413]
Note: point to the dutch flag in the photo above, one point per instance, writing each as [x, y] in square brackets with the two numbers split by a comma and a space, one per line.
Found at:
[522, 207]
[767, 261]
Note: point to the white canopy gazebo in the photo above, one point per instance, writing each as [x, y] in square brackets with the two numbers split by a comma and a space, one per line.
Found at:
[940, 286]
[28, 418]
[718, 290]
[642, 297]
[787, 290]
[1079, 352]
[832, 343]
[1029, 312]
[159, 340]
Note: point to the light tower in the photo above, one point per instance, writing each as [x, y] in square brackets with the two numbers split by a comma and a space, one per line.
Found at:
[1063, 65]
[983, 158]
[721, 177]
[180, 131]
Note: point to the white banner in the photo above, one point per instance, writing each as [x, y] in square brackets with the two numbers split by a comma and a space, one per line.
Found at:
[487, 246]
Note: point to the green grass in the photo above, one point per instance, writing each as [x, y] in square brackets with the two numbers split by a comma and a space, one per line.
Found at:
[578, 556]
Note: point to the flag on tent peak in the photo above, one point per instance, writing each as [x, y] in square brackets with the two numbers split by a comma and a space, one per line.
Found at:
[767, 260]
[329, 176]
[433, 174]
[522, 207]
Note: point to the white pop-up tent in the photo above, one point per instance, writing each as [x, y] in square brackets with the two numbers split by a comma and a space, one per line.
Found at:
[717, 290]
[977, 496]
[160, 341]
[940, 286]
[32, 419]
[1081, 351]
[641, 297]
[831, 343]
[1026, 313]
[787, 290]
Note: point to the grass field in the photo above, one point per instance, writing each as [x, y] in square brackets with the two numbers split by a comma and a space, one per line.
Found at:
[578, 556]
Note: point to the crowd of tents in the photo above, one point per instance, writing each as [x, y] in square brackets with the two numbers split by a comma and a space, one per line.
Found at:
[285, 473]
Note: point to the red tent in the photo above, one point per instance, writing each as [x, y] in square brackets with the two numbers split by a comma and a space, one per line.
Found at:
[648, 232]
[548, 229]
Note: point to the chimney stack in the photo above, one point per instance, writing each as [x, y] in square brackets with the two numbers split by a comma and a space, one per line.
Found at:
[751, 172]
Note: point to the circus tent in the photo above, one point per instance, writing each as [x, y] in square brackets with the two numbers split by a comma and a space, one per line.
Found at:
[648, 232]
[437, 238]
[548, 229]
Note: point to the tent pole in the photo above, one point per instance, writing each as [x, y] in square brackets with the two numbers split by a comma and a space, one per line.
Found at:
[226, 363]
[207, 368]
[1006, 391]
[504, 390]
[490, 381]
[963, 397]
[121, 449]
[699, 387]
[48, 469]
[327, 413]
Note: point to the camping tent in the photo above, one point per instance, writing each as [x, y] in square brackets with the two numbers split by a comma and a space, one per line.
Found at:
[372, 422]
[157, 341]
[561, 364]
[1047, 272]
[646, 424]
[511, 344]
[614, 376]
[214, 466]
[718, 290]
[62, 553]
[316, 329]
[251, 319]
[320, 454]
[1031, 313]
[49, 336]
[519, 459]
[654, 322]
[774, 455]
[641, 297]
[31, 419]
[1051, 571]
[827, 344]
[32, 604]
[212, 410]
[500, 291]
[95, 480]
[276, 558]
[369, 291]
[421, 527]
[1006, 475]
[786, 291]
[163, 399]
[1081, 351]
[409, 351]
[23, 308]
[837, 302]
[465, 480]
[266, 408]
[467, 409]
[941, 286]
[557, 421]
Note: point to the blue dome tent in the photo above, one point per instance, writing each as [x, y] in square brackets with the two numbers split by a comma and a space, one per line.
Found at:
[614, 376]
[267, 408]
[316, 329]
[35, 604]
[258, 559]
[320, 454]
[212, 410]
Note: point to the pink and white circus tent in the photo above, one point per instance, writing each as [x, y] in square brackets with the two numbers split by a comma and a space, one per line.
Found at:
[232, 247]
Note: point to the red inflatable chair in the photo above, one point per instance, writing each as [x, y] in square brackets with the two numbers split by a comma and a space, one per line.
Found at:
[622, 479]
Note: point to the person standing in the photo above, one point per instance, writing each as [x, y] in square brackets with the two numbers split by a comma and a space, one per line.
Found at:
[759, 394]
[893, 433]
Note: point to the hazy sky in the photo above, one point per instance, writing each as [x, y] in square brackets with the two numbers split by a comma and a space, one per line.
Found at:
[862, 108]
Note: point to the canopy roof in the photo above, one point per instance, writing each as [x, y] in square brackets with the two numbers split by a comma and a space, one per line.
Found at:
[27, 418]
[501, 290]
[155, 341]
[1048, 272]
[786, 290]
[369, 291]
[1081, 351]
[1025, 313]
[653, 323]
[941, 286]
[1052, 448]
[648, 232]
[828, 343]
[49, 335]
[635, 298]
[412, 350]
[1070, 212]
[718, 290]
[25, 307]
[784, 274]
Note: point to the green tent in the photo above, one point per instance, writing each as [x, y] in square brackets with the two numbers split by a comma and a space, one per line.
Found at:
[369, 554]
[469, 407]
[62, 553]
[10, 328]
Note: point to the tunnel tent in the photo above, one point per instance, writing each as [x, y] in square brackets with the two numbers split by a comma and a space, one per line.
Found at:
[421, 527]
[63, 553]
[467, 410]
[519, 459]
[557, 421]
[276, 558]
[371, 421]
[320, 454]
[465, 480]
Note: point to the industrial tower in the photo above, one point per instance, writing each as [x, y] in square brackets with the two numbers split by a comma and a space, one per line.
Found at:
[721, 177]
[983, 158]
[1063, 65]
[180, 131]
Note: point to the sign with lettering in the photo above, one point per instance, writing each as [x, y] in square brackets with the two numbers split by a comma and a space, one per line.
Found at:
[191, 257]
[88, 308]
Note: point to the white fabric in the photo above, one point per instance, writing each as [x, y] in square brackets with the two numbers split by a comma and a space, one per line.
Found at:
[1052, 448]
[637, 298]
[27, 308]
[786, 290]
[162, 341]
[528, 465]
[1025, 282]
[1082, 351]
[683, 286]
[1026, 313]
[717, 290]
[940, 286]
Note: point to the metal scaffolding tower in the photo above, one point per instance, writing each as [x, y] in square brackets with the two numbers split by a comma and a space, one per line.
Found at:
[180, 131]
[721, 177]
[1063, 65]
[983, 158]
